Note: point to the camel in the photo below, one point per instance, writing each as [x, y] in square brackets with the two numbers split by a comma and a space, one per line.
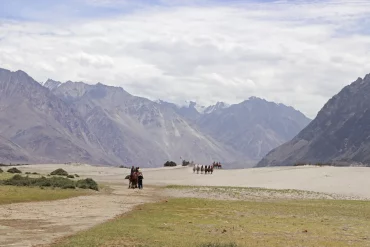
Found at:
[133, 181]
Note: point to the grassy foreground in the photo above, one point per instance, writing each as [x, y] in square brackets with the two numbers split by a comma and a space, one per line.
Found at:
[198, 222]
[14, 194]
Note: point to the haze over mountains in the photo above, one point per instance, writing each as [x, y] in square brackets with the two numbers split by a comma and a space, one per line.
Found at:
[340, 134]
[57, 122]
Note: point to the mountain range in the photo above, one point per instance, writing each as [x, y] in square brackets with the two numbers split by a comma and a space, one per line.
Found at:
[56, 122]
[339, 135]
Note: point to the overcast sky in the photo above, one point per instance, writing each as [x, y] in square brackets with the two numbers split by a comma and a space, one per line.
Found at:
[299, 52]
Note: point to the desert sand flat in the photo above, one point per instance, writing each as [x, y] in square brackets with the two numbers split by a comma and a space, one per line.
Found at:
[348, 181]
[41, 223]
[30, 224]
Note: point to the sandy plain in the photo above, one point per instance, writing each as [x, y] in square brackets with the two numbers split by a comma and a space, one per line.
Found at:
[40, 223]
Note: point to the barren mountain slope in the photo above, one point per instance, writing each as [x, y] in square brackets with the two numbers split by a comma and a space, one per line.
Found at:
[137, 130]
[41, 125]
[339, 134]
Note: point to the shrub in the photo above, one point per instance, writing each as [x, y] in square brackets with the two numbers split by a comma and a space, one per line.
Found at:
[170, 163]
[14, 170]
[87, 183]
[70, 176]
[35, 173]
[77, 176]
[1, 170]
[59, 172]
[58, 182]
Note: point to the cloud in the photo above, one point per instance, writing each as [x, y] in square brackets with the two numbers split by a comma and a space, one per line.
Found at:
[299, 53]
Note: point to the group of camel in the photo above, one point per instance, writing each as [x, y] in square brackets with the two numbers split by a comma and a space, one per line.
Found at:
[206, 169]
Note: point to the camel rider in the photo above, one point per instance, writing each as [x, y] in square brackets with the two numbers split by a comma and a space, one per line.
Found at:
[132, 171]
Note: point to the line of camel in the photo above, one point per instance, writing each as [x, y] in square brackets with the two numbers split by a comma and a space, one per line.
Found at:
[207, 169]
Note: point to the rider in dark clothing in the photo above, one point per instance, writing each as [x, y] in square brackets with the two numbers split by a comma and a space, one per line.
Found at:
[140, 180]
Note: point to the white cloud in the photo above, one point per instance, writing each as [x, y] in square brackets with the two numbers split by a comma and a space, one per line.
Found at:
[297, 53]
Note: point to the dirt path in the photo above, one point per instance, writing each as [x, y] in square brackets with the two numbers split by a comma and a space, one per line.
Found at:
[40, 223]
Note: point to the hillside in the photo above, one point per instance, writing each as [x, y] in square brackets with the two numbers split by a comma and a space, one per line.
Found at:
[339, 134]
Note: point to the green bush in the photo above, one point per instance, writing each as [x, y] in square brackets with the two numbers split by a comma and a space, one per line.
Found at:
[77, 176]
[70, 176]
[87, 183]
[170, 163]
[1, 170]
[59, 172]
[14, 170]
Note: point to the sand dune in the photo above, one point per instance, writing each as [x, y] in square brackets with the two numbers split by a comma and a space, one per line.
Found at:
[349, 181]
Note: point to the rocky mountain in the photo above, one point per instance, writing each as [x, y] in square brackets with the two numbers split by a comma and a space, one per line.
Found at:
[340, 133]
[37, 126]
[98, 124]
[253, 127]
[137, 130]
[218, 106]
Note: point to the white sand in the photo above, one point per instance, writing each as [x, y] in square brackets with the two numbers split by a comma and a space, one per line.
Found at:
[349, 181]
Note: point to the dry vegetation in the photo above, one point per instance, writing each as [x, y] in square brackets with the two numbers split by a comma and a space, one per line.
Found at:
[248, 193]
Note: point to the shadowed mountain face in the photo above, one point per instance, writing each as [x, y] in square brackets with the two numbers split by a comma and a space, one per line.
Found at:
[98, 124]
[339, 134]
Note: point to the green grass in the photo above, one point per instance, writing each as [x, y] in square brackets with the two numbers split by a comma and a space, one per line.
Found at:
[191, 222]
[14, 194]
[5, 175]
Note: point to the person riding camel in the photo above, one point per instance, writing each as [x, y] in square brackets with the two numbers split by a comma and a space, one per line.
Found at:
[132, 171]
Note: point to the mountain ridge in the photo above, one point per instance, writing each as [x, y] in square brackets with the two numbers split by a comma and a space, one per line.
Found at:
[100, 124]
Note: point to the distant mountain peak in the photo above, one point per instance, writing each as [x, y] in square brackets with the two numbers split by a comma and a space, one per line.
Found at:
[218, 106]
[51, 84]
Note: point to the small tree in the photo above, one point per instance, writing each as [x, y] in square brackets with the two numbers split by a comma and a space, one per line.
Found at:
[185, 163]
[170, 163]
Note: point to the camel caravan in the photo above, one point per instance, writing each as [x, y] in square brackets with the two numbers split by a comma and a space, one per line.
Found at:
[207, 169]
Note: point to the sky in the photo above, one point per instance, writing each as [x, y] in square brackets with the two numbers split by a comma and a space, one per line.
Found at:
[299, 53]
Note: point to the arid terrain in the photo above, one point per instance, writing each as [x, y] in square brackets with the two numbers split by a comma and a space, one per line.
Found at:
[41, 223]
